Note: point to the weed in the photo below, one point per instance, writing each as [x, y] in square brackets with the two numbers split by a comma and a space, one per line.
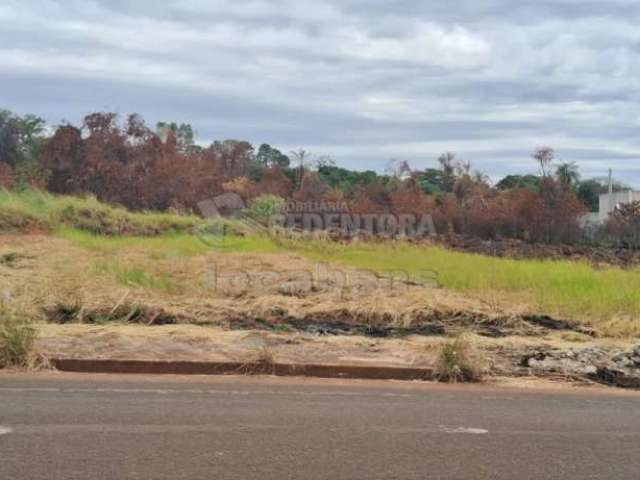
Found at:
[263, 362]
[459, 362]
[64, 312]
[282, 328]
[8, 259]
[17, 338]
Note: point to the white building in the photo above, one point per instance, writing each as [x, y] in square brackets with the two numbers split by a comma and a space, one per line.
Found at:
[607, 203]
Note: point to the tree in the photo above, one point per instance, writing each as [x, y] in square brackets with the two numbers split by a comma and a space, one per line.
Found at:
[62, 156]
[589, 193]
[447, 166]
[531, 182]
[567, 174]
[431, 181]
[272, 157]
[20, 138]
[300, 156]
[275, 182]
[183, 133]
[544, 158]
[8, 138]
[344, 179]
[233, 156]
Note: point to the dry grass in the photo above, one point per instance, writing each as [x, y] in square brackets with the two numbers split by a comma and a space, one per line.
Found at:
[17, 338]
[175, 268]
[210, 287]
[460, 361]
[213, 285]
[261, 362]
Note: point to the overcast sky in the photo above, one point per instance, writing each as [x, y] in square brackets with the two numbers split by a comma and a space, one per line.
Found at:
[360, 80]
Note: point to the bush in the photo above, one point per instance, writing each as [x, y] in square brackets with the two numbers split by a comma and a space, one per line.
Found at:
[459, 362]
[16, 341]
[264, 207]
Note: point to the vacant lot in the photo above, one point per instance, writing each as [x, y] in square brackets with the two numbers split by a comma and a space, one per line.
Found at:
[64, 252]
[101, 282]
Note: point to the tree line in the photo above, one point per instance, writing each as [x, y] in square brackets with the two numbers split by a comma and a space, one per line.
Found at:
[163, 168]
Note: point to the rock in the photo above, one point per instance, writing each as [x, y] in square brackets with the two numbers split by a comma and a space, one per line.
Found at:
[616, 377]
[295, 289]
[610, 366]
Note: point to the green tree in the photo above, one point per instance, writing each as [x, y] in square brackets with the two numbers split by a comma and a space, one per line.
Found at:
[8, 138]
[21, 140]
[272, 157]
[432, 182]
[184, 134]
[532, 182]
[589, 193]
[344, 179]
[567, 174]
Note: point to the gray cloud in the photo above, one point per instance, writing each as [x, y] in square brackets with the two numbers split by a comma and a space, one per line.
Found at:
[362, 81]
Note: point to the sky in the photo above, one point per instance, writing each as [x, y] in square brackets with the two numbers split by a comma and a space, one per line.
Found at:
[362, 81]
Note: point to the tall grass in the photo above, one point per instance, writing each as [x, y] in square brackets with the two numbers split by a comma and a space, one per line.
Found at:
[137, 276]
[459, 361]
[17, 338]
[173, 244]
[572, 289]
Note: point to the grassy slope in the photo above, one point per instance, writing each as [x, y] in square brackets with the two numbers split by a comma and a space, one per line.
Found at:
[88, 214]
[607, 297]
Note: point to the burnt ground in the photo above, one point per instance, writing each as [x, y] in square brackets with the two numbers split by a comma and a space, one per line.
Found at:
[511, 248]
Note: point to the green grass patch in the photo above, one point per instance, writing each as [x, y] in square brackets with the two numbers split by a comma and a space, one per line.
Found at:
[171, 244]
[572, 289]
[137, 276]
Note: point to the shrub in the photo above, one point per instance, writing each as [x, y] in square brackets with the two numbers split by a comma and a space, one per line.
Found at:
[459, 362]
[16, 340]
[262, 362]
[264, 207]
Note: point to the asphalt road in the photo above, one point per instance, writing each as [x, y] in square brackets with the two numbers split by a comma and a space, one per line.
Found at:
[63, 426]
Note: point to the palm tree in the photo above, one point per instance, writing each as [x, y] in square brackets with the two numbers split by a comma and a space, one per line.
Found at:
[567, 173]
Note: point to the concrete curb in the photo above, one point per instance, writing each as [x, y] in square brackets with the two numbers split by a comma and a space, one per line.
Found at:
[369, 372]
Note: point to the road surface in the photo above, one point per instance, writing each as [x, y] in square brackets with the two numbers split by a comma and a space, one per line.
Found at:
[66, 426]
